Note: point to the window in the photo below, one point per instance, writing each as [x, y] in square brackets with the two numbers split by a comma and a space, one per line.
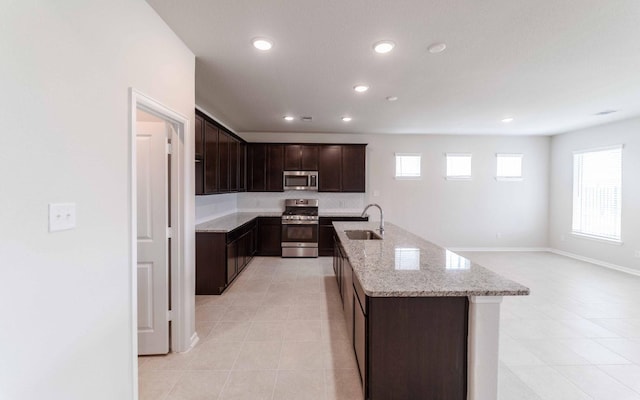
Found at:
[458, 166]
[509, 167]
[407, 166]
[597, 185]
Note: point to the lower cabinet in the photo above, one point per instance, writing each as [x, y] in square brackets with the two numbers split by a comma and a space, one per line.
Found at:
[220, 257]
[269, 236]
[405, 347]
[326, 233]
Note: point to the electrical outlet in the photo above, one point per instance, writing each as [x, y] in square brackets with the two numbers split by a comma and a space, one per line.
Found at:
[62, 216]
[376, 193]
[498, 235]
[636, 254]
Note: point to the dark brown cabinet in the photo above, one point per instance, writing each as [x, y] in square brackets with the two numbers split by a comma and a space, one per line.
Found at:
[220, 158]
[353, 168]
[330, 168]
[300, 157]
[405, 347]
[342, 168]
[269, 236]
[266, 164]
[199, 161]
[224, 147]
[326, 233]
[211, 162]
[220, 257]
[242, 167]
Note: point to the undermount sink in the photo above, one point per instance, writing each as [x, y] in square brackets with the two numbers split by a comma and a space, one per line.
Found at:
[363, 235]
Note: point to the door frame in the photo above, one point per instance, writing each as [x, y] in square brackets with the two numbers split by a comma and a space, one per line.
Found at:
[182, 278]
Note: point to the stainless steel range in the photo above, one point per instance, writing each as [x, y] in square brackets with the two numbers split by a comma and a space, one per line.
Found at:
[300, 228]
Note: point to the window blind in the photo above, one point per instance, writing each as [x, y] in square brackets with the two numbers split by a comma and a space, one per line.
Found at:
[597, 187]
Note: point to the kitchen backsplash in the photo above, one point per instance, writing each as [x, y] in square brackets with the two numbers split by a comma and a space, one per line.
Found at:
[329, 202]
[214, 206]
[210, 207]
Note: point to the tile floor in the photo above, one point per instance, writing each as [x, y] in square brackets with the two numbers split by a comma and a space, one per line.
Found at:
[279, 333]
[577, 336]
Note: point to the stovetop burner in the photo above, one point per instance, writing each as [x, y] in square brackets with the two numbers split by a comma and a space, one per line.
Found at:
[300, 209]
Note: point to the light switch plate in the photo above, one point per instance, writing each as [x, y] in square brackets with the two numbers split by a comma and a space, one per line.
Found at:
[62, 216]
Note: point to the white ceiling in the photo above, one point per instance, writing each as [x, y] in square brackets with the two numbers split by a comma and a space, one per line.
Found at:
[551, 64]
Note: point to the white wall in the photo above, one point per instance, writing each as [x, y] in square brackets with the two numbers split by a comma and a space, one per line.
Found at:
[64, 78]
[452, 213]
[561, 187]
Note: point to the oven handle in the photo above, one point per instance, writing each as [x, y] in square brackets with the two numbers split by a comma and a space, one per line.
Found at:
[299, 222]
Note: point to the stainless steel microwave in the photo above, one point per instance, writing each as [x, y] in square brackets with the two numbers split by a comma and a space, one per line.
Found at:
[300, 180]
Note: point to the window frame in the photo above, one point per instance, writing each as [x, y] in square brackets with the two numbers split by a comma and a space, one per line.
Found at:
[458, 177]
[590, 236]
[509, 178]
[408, 177]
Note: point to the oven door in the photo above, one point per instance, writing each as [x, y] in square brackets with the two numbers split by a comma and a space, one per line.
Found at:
[300, 233]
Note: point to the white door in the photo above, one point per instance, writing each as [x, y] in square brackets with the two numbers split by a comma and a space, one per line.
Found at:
[153, 237]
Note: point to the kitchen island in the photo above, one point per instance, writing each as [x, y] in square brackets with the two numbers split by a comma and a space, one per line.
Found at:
[424, 321]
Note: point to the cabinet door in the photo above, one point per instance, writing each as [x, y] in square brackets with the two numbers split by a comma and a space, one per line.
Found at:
[210, 262]
[233, 164]
[257, 167]
[353, 168]
[199, 138]
[292, 157]
[199, 165]
[330, 168]
[223, 150]
[347, 299]
[269, 236]
[359, 339]
[309, 159]
[232, 259]
[325, 239]
[242, 165]
[275, 168]
[210, 158]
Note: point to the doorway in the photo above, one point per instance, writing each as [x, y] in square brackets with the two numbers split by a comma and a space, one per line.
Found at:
[162, 230]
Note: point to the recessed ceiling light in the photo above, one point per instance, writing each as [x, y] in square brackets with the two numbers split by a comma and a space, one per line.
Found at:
[346, 119]
[392, 98]
[361, 88]
[437, 48]
[605, 112]
[383, 46]
[288, 118]
[262, 44]
[507, 120]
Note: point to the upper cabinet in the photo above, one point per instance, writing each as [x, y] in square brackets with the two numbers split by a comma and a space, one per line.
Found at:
[225, 163]
[199, 144]
[342, 168]
[301, 157]
[353, 168]
[220, 165]
[265, 167]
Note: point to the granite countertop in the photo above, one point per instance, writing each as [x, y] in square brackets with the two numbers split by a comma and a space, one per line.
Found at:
[230, 222]
[405, 265]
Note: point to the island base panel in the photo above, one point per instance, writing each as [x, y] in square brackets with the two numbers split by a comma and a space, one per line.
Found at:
[417, 348]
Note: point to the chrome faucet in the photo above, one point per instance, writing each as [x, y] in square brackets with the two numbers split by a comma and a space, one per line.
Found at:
[381, 215]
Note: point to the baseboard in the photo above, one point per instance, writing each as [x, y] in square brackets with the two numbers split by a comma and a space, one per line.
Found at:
[194, 341]
[600, 263]
[521, 249]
